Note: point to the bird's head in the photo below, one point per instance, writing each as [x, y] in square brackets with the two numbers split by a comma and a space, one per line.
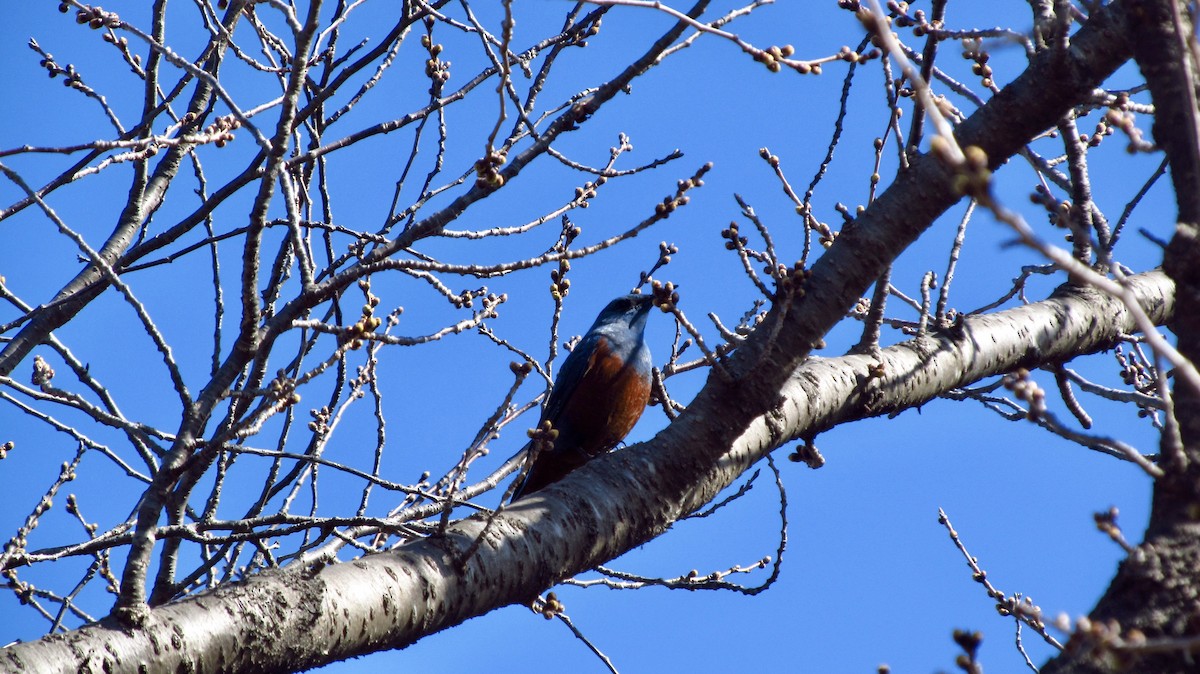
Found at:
[628, 311]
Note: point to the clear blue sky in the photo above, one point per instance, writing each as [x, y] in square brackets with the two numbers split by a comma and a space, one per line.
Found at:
[869, 577]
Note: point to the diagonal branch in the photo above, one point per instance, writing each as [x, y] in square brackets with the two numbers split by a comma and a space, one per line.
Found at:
[310, 615]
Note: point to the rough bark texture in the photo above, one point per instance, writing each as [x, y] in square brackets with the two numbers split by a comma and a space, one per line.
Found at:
[1156, 593]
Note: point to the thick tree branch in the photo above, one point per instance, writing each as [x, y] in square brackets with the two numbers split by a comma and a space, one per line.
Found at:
[920, 194]
[298, 618]
[1156, 589]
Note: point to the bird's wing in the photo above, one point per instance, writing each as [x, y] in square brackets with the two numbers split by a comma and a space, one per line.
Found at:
[574, 370]
[549, 465]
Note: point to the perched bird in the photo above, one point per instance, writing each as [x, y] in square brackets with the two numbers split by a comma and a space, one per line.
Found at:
[599, 394]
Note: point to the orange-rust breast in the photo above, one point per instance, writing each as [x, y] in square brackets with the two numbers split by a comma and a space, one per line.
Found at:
[609, 399]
